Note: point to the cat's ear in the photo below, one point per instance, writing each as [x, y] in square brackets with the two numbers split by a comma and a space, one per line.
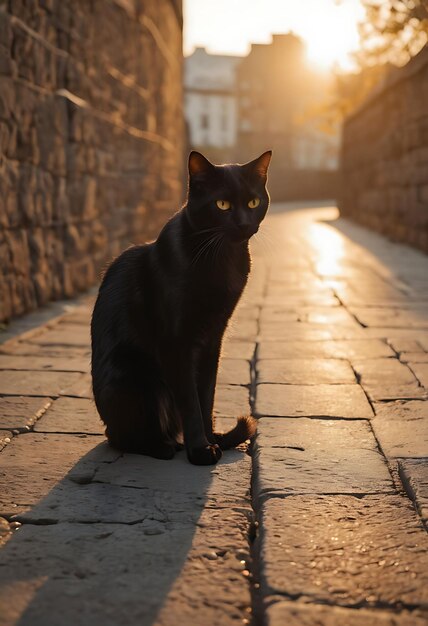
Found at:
[259, 167]
[198, 164]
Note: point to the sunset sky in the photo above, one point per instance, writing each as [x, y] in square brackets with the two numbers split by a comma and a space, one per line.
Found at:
[329, 27]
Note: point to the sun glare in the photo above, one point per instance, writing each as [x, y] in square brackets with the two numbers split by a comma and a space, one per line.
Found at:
[329, 28]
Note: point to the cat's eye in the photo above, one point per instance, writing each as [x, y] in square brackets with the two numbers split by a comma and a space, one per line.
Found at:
[224, 205]
[254, 203]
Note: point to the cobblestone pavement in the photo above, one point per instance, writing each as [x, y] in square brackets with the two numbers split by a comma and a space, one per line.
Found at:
[329, 349]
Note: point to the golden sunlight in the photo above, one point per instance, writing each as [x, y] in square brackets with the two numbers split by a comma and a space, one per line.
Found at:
[328, 27]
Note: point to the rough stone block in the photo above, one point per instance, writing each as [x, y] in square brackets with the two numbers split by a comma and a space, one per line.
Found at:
[19, 413]
[387, 379]
[304, 371]
[414, 474]
[36, 383]
[234, 372]
[301, 614]
[71, 415]
[402, 428]
[295, 456]
[39, 461]
[231, 401]
[344, 550]
[346, 349]
[343, 401]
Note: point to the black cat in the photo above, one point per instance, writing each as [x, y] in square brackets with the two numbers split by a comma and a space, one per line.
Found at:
[161, 313]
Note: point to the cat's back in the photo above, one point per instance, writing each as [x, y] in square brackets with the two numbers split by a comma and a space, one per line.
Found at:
[119, 292]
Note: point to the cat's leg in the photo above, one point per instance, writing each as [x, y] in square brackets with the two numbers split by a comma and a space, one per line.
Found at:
[245, 427]
[182, 380]
[206, 381]
[132, 424]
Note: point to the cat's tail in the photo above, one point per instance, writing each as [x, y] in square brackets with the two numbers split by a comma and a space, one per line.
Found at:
[245, 428]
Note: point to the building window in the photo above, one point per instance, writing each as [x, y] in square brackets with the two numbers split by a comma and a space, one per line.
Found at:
[204, 121]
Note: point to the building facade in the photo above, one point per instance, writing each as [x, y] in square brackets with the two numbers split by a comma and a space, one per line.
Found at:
[210, 101]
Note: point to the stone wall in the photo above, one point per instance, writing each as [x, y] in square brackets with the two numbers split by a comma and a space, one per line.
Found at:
[385, 157]
[91, 138]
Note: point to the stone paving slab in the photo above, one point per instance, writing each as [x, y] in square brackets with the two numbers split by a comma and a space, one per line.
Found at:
[19, 413]
[387, 379]
[312, 315]
[24, 348]
[300, 614]
[44, 363]
[342, 401]
[38, 461]
[63, 335]
[344, 550]
[71, 415]
[420, 370]
[304, 371]
[117, 573]
[402, 428]
[346, 349]
[231, 401]
[302, 331]
[238, 349]
[416, 317]
[140, 488]
[300, 298]
[393, 334]
[36, 383]
[81, 387]
[234, 372]
[415, 357]
[294, 456]
[414, 475]
[179, 476]
[244, 329]
[406, 345]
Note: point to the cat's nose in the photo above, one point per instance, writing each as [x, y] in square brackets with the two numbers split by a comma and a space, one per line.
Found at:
[248, 229]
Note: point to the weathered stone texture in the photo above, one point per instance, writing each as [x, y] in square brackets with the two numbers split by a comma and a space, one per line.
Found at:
[344, 550]
[91, 139]
[385, 157]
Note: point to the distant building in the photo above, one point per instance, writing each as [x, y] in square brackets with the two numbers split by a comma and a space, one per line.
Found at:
[275, 88]
[238, 107]
[210, 100]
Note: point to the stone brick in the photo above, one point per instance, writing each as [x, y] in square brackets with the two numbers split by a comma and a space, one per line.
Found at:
[344, 401]
[60, 109]
[402, 428]
[393, 143]
[231, 401]
[420, 370]
[295, 456]
[44, 363]
[301, 614]
[36, 383]
[233, 372]
[46, 458]
[19, 413]
[71, 415]
[387, 379]
[414, 474]
[344, 550]
[346, 349]
[303, 371]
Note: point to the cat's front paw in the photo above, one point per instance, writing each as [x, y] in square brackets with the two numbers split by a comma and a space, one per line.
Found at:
[207, 455]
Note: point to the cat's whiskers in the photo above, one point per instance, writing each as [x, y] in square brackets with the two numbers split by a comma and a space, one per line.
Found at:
[217, 248]
[204, 247]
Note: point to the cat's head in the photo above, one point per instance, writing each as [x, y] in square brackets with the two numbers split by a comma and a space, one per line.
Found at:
[232, 199]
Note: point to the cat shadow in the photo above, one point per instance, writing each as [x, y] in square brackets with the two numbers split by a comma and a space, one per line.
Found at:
[107, 543]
